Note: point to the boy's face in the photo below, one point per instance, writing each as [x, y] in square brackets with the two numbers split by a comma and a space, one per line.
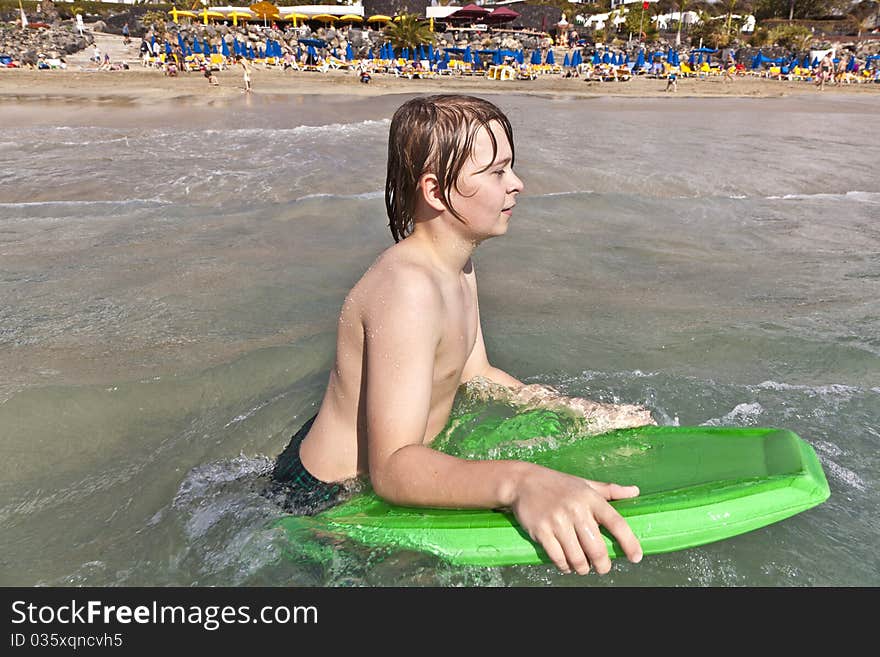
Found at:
[487, 188]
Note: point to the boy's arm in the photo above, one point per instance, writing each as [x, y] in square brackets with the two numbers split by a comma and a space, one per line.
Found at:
[560, 511]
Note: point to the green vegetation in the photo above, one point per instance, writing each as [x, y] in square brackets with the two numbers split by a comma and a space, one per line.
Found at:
[409, 32]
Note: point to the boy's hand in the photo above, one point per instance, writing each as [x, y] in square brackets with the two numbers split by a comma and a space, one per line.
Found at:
[563, 513]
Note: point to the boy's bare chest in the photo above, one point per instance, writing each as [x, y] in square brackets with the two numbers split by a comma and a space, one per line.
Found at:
[459, 332]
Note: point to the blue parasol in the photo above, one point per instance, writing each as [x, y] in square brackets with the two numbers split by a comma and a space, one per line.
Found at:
[477, 63]
[596, 58]
[197, 46]
[550, 59]
[349, 53]
[640, 60]
[167, 48]
[370, 53]
[536, 57]
[606, 58]
[224, 48]
[206, 47]
[468, 56]
[405, 54]
[566, 62]
[180, 41]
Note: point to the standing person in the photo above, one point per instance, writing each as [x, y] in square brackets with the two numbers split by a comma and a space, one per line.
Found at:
[729, 68]
[840, 73]
[672, 80]
[246, 68]
[125, 36]
[826, 70]
[412, 323]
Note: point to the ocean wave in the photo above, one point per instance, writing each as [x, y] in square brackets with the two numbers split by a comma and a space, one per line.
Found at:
[829, 389]
[145, 202]
[861, 197]
[344, 129]
[361, 196]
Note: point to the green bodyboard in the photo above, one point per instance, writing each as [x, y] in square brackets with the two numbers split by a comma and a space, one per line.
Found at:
[698, 485]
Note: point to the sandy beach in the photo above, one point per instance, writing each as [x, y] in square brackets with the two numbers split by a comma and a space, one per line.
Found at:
[83, 82]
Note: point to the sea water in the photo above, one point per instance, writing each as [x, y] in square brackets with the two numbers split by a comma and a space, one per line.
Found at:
[170, 278]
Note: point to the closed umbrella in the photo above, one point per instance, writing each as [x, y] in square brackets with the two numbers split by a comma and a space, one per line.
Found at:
[197, 46]
[550, 59]
[597, 59]
[566, 61]
[468, 56]
[640, 60]
[349, 53]
[606, 58]
[167, 48]
[536, 58]
[477, 63]
[224, 48]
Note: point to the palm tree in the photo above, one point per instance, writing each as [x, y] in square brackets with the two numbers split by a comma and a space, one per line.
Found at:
[682, 5]
[409, 32]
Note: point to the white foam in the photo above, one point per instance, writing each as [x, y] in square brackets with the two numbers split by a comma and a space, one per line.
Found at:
[858, 196]
[740, 415]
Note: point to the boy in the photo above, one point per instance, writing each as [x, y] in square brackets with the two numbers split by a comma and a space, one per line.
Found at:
[409, 335]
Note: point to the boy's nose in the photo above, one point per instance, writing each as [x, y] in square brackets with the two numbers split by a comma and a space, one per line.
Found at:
[516, 184]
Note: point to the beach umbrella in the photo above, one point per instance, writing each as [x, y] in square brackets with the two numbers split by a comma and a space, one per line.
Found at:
[349, 53]
[239, 12]
[675, 59]
[296, 16]
[477, 63]
[596, 59]
[700, 59]
[197, 46]
[405, 53]
[251, 54]
[180, 41]
[640, 60]
[167, 48]
[269, 49]
[379, 18]
[351, 18]
[693, 59]
[806, 62]
[566, 61]
[370, 53]
[266, 10]
[709, 59]
[606, 58]
[224, 48]
[206, 47]
[468, 56]
[550, 58]
[536, 58]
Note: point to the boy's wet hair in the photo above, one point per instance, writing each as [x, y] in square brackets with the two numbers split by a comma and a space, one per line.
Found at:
[433, 134]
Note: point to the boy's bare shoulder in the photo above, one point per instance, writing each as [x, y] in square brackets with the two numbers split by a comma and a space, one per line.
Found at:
[396, 282]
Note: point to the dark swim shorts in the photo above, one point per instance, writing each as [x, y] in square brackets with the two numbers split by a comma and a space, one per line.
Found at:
[298, 491]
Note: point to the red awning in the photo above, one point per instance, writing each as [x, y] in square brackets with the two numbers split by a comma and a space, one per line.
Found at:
[470, 11]
[502, 15]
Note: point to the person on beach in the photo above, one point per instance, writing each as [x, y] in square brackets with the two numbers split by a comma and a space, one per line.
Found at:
[672, 80]
[246, 68]
[411, 326]
[826, 70]
[212, 79]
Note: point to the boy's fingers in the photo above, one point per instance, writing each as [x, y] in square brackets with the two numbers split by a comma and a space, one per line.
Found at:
[619, 528]
[554, 551]
[575, 553]
[594, 546]
[613, 491]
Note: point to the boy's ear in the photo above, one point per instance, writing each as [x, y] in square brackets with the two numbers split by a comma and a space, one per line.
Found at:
[429, 187]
